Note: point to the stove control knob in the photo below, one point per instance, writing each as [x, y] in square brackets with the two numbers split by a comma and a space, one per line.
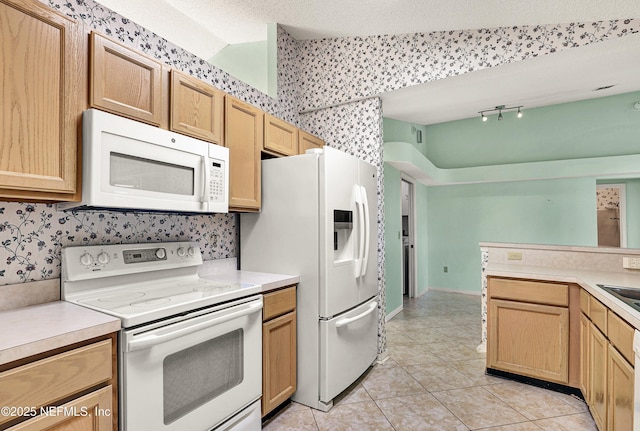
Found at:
[191, 251]
[181, 252]
[103, 258]
[161, 253]
[86, 259]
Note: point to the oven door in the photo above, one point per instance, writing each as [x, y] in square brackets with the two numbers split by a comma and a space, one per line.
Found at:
[192, 374]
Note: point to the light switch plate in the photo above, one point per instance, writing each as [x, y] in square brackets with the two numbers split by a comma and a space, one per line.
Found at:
[514, 255]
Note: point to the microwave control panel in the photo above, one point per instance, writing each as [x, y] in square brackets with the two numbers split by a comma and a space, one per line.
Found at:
[216, 182]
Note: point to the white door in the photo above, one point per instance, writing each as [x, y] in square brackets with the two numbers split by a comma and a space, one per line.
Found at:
[348, 346]
[368, 281]
[338, 189]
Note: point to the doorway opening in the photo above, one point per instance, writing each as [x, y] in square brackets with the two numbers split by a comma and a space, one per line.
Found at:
[611, 210]
[408, 238]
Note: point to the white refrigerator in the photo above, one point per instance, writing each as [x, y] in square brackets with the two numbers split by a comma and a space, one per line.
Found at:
[318, 220]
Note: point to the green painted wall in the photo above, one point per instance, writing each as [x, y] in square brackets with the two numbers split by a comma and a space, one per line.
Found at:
[605, 126]
[540, 212]
[254, 63]
[400, 131]
[392, 244]
[422, 237]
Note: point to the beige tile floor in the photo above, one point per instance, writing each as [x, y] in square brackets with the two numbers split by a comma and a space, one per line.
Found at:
[434, 380]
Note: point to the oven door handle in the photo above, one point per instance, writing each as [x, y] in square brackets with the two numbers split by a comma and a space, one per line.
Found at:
[151, 338]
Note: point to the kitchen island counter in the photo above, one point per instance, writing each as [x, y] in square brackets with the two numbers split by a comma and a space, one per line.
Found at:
[40, 328]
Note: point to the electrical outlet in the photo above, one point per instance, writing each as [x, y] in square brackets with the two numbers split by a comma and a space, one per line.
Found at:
[514, 255]
[445, 269]
[631, 262]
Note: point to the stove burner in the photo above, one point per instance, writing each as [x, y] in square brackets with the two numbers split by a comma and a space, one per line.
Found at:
[150, 302]
[118, 297]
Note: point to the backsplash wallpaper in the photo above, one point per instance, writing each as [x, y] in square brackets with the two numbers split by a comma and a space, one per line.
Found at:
[32, 235]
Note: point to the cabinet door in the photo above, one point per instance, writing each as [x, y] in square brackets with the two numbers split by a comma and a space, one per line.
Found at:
[279, 361]
[598, 346]
[620, 391]
[584, 358]
[196, 108]
[91, 412]
[124, 81]
[280, 137]
[529, 339]
[41, 83]
[243, 137]
[308, 141]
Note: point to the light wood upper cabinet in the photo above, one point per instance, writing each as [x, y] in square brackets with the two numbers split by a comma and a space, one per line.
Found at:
[42, 84]
[307, 141]
[243, 137]
[124, 81]
[280, 137]
[196, 108]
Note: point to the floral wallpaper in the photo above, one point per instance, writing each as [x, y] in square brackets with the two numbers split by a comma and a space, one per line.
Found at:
[32, 235]
[333, 71]
[608, 197]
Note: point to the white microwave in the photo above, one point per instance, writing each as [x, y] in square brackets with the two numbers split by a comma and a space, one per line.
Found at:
[131, 165]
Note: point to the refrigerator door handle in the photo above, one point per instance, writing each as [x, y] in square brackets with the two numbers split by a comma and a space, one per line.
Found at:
[346, 321]
[357, 270]
[367, 230]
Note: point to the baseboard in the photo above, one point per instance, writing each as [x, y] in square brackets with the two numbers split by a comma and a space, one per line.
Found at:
[462, 292]
[393, 313]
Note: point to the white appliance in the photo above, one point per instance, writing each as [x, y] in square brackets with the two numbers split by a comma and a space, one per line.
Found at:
[190, 351]
[317, 220]
[131, 165]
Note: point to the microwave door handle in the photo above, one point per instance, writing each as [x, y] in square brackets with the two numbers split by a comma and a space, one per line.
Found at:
[152, 339]
[367, 229]
[204, 203]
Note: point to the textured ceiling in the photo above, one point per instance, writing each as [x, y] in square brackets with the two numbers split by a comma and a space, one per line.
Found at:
[561, 77]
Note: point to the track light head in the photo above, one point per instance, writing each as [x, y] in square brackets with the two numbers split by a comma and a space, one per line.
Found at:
[501, 108]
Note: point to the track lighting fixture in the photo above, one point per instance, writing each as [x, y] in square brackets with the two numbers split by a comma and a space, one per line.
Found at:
[501, 108]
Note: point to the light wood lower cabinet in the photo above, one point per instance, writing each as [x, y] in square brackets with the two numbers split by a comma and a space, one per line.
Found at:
[278, 348]
[529, 339]
[585, 363]
[598, 347]
[528, 331]
[620, 391]
[609, 375]
[91, 412]
[73, 390]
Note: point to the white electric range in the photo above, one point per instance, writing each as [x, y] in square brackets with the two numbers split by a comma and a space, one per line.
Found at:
[190, 348]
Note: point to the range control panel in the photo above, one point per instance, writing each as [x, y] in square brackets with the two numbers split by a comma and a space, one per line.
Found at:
[84, 262]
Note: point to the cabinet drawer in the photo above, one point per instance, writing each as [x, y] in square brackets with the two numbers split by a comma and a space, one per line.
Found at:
[620, 335]
[529, 291]
[278, 303]
[584, 302]
[598, 314]
[48, 380]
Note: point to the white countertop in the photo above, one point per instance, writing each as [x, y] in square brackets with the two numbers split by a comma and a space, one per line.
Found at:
[586, 279]
[39, 328]
[267, 280]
